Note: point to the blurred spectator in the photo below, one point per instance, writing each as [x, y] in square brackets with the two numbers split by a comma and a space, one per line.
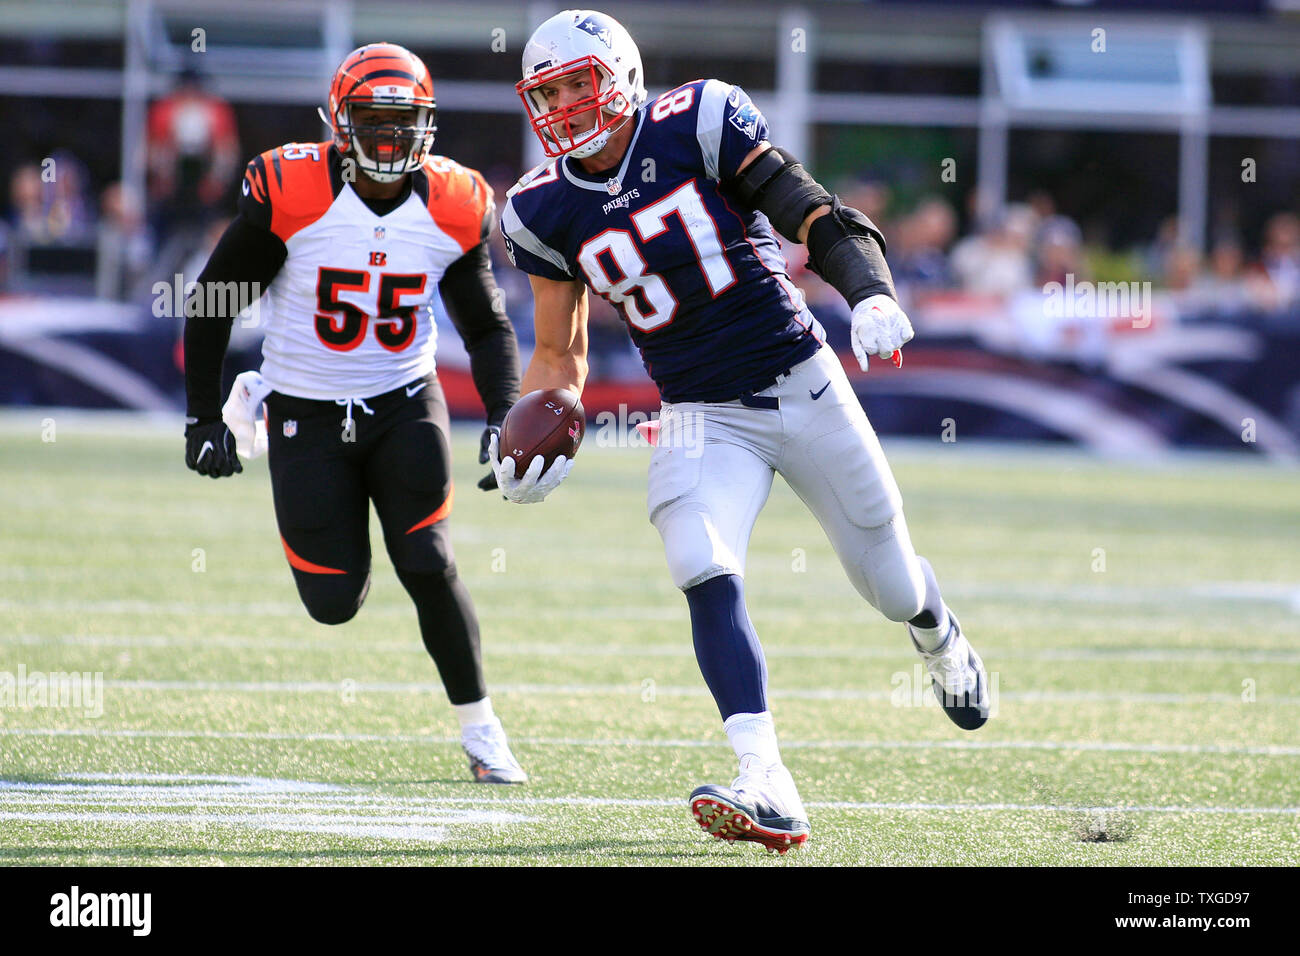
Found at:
[871, 199]
[1181, 268]
[193, 155]
[125, 246]
[26, 203]
[1157, 253]
[1224, 290]
[1043, 205]
[1180, 278]
[1059, 248]
[48, 201]
[1280, 258]
[919, 248]
[997, 261]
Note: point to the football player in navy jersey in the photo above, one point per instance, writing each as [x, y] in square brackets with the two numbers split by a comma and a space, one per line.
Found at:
[669, 208]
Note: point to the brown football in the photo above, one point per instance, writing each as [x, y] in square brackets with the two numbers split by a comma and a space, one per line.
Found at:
[549, 422]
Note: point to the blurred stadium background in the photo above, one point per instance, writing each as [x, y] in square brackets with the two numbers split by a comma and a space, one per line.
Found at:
[1003, 147]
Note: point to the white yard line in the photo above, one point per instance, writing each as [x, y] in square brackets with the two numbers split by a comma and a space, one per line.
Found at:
[664, 690]
[1264, 750]
[137, 819]
[235, 801]
[1259, 594]
[297, 806]
[414, 648]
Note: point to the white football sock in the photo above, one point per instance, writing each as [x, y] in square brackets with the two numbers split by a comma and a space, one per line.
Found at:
[479, 712]
[753, 737]
[931, 639]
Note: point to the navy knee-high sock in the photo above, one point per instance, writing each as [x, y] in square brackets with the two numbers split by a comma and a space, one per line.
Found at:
[726, 646]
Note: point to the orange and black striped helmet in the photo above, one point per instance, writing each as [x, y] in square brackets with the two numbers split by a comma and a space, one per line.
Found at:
[388, 77]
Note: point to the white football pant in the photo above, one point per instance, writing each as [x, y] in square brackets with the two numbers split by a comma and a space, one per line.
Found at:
[712, 470]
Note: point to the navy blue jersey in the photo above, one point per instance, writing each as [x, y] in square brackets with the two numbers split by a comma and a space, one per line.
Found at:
[699, 280]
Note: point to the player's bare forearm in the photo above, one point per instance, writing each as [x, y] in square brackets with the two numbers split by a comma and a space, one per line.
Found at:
[555, 371]
[560, 319]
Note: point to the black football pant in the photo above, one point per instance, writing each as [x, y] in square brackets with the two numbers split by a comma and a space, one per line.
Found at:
[328, 461]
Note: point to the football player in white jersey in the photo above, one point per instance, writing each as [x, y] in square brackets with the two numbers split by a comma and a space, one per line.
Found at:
[749, 389]
[349, 239]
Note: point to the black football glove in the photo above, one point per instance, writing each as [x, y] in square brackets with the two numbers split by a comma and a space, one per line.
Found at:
[489, 481]
[210, 448]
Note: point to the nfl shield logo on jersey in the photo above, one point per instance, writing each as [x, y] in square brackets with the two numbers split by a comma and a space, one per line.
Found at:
[290, 427]
[379, 232]
[614, 186]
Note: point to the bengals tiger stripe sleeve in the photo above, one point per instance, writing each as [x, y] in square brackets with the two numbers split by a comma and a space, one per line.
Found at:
[248, 254]
[476, 307]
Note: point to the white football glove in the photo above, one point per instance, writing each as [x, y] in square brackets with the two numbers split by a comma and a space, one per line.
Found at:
[533, 486]
[880, 328]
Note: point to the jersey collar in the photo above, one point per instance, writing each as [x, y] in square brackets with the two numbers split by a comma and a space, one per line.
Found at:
[597, 182]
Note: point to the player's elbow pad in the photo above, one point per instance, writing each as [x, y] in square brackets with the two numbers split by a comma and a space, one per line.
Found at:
[778, 186]
[844, 247]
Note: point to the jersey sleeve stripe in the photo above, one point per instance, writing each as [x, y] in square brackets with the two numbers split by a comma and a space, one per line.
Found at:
[708, 124]
[301, 194]
[458, 199]
[522, 236]
[256, 176]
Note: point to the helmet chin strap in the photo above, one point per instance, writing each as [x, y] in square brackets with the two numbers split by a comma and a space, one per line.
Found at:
[598, 143]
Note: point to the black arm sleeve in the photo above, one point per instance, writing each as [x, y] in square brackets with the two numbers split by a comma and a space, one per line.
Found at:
[246, 259]
[477, 309]
[844, 247]
[847, 250]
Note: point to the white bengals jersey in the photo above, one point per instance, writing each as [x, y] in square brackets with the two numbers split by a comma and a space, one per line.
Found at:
[348, 314]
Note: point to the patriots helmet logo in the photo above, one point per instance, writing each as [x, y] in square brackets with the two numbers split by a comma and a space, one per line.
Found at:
[599, 30]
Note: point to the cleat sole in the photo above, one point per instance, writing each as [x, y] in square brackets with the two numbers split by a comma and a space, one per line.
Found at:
[733, 823]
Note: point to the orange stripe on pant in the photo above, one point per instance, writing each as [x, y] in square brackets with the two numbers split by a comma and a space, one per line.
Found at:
[444, 509]
[304, 565]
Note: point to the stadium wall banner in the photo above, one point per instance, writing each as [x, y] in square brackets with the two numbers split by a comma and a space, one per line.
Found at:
[1209, 383]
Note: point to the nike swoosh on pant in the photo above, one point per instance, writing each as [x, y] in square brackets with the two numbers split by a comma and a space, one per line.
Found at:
[818, 394]
[415, 388]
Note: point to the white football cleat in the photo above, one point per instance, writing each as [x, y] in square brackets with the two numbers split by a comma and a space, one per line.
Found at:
[490, 759]
[760, 806]
[958, 678]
